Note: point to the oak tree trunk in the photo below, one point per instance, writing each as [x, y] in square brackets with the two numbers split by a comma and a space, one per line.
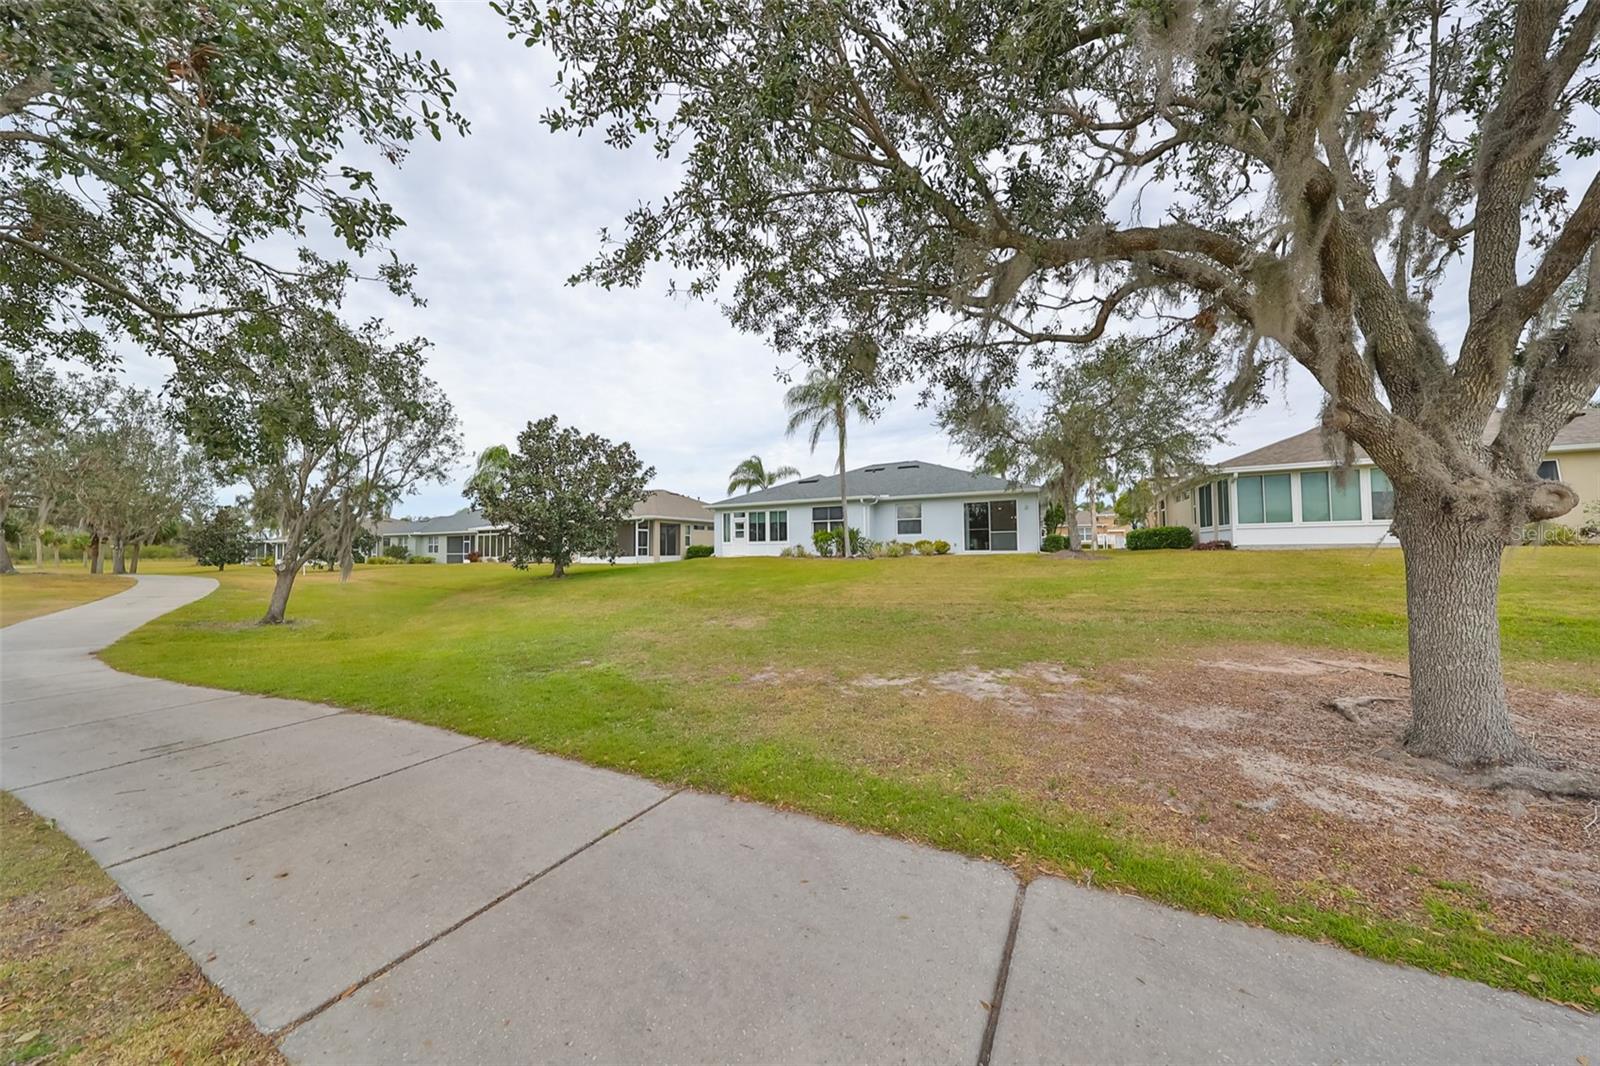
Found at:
[133, 563]
[282, 585]
[6, 565]
[97, 562]
[347, 563]
[1459, 710]
[118, 562]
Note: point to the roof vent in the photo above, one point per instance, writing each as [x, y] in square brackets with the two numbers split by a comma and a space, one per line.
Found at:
[907, 466]
[808, 480]
[874, 469]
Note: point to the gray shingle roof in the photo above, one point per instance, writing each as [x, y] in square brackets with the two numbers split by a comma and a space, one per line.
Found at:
[659, 503]
[908, 478]
[463, 521]
[1307, 447]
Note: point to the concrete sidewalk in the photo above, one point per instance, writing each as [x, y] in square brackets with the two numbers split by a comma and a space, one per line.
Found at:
[370, 890]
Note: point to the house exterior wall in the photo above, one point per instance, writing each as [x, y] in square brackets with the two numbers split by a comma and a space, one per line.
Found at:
[1578, 468]
[1581, 470]
[943, 518]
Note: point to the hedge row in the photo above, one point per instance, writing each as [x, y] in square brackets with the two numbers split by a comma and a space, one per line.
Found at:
[1160, 537]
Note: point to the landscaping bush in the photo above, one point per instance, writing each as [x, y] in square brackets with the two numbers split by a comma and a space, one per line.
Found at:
[1055, 542]
[941, 547]
[1551, 533]
[382, 560]
[159, 551]
[1160, 537]
[266, 560]
[794, 551]
[924, 547]
[420, 559]
[699, 551]
[826, 541]
[894, 549]
[1213, 545]
[474, 557]
[397, 552]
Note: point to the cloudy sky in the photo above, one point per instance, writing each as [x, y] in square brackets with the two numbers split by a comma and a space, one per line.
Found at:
[497, 221]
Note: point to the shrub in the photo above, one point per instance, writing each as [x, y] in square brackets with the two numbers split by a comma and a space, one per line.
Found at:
[1160, 537]
[266, 560]
[159, 551]
[1551, 533]
[894, 549]
[794, 551]
[420, 559]
[941, 547]
[699, 551]
[924, 547]
[382, 560]
[826, 541]
[398, 552]
[474, 557]
[1055, 542]
[1213, 545]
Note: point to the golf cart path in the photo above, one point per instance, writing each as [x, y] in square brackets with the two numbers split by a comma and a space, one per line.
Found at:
[369, 889]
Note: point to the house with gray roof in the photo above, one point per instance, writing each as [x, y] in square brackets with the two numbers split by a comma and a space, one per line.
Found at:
[906, 501]
[658, 529]
[1292, 494]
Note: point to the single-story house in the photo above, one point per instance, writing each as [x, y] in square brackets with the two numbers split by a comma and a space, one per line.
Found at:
[904, 501]
[1101, 531]
[662, 526]
[1289, 494]
[657, 529]
[448, 538]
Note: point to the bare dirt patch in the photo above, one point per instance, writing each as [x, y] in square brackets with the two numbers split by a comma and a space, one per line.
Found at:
[1240, 753]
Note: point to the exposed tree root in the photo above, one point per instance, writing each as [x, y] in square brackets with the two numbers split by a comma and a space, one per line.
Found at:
[1531, 773]
[1350, 707]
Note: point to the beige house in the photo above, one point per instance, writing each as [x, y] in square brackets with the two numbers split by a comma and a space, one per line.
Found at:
[1289, 494]
[1101, 531]
[662, 526]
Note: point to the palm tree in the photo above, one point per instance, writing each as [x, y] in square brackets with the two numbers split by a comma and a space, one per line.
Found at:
[490, 473]
[823, 403]
[753, 474]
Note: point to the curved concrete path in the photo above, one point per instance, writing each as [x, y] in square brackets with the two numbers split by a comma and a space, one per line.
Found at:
[370, 890]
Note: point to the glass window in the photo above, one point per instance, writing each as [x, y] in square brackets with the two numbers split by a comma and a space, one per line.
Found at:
[827, 518]
[433, 545]
[1222, 503]
[908, 518]
[1279, 497]
[1550, 470]
[727, 526]
[977, 527]
[1003, 525]
[778, 525]
[1161, 512]
[1249, 489]
[758, 527]
[1346, 493]
[641, 538]
[738, 525]
[1382, 495]
[1205, 506]
[1314, 497]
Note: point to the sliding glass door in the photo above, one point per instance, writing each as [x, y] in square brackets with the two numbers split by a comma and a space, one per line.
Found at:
[992, 526]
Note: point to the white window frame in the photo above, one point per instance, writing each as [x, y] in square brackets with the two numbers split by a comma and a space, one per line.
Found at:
[641, 538]
[775, 519]
[738, 525]
[433, 545]
[819, 524]
[1553, 461]
[905, 524]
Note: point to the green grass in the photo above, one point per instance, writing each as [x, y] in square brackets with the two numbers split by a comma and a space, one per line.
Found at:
[31, 593]
[646, 669]
[85, 976]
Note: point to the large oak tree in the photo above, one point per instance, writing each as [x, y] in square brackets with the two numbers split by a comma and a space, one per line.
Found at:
[1293, 177]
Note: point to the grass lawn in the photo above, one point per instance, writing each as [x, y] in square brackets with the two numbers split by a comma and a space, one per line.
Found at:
[30, 593]
[1150, 722]
[85, 976]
